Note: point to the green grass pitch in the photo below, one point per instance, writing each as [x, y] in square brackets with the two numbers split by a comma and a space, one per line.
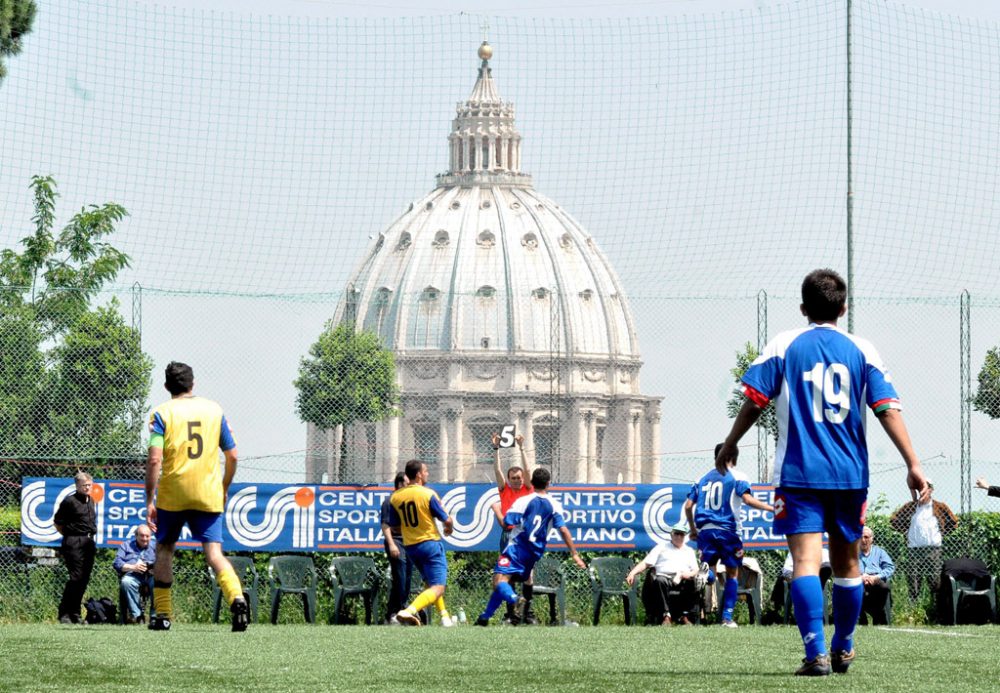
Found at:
[468, 659]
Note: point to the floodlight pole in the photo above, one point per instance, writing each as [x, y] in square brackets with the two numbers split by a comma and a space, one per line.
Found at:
[850, 184]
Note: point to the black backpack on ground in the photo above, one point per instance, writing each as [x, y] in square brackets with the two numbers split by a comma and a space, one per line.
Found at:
[101, 610]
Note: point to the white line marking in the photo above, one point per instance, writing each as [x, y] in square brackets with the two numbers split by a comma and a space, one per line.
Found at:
[929, 632]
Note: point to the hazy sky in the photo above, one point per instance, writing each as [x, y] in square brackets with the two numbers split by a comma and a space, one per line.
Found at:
[259, 147]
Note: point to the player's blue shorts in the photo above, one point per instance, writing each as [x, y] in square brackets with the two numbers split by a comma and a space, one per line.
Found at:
[720, 545]
[839, 512]
[205, 527]
[515, 563]
[429, 559]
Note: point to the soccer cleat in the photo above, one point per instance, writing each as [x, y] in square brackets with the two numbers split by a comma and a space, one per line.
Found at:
[814, 667]
[841, 660]
[393, 621]
[482, 622]
[158, 622]
[448, 622]
[729, 624]
[241, 615]
[408, 618]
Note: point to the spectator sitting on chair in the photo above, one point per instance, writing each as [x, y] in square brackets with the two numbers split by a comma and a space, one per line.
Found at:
[134, 564]
[925, 525]
[674, 590]
[780, 586]
[990, 490]
[876, 569]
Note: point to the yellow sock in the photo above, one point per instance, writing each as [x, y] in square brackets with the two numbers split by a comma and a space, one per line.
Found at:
[442, 609]
[163, 603]
[230, 585]
[423, 600]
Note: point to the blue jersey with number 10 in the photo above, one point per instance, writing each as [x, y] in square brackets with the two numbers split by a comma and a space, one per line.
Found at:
[532, 516]
[820, 379]
[718, 498]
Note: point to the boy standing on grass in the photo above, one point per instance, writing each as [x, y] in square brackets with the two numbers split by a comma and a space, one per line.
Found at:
[713, 512]
[821, 378]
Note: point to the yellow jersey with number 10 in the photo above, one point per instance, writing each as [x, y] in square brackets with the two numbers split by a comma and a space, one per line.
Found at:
[191, 431]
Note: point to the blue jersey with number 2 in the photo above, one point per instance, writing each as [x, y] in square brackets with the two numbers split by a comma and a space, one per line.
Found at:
[820, 379]
[531, 517]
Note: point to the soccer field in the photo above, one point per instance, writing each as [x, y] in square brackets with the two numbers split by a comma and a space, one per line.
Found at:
[266, 658]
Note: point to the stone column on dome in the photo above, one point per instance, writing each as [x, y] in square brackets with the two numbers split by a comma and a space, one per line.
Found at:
[651, 471]
[582, 463]
[528, 431]
[638, 450]
[630, 420]
[392, 447]
[491, 158]
[461, 460]
[445, 459]
[594, 475]
[477, 150]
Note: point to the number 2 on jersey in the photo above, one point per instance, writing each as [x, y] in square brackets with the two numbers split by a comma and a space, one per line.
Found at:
[831, 392]
[536, 524]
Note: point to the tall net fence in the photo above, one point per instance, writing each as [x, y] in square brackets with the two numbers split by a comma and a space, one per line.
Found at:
[278, 176]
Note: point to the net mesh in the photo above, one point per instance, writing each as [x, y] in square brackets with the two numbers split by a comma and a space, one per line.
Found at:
[262, 158]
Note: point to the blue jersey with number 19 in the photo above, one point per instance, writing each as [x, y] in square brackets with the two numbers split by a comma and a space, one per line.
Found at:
[531, 517]
[820, 379]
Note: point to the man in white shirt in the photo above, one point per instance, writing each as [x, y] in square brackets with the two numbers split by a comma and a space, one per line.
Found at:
[673, 591]
[925, 524]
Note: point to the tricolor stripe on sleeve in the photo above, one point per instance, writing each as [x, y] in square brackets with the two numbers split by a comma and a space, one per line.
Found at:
[886, 404]
[755, 396]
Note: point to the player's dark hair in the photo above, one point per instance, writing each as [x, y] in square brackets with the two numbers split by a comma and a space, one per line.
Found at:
[179, 378]
[514, 469]
[824, 293]
[412, 469]
[540, 479]
[717, 448]
[400, 480]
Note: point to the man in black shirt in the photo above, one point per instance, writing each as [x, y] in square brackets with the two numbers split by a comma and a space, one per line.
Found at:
[76, 521]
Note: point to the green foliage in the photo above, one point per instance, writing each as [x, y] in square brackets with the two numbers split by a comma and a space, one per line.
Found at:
[73, 380]
[768, 419]
[347, 377]
[16, 18]
[987, 399]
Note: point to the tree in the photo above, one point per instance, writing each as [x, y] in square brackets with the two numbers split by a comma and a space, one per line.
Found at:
[768, 419]
[348, 377]
[73, 380]
[16, 18]
[987, 399]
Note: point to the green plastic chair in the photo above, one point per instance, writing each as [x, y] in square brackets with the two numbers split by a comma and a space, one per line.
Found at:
[963, 588]
[607, 579]
[550, 580]
[292, 575]
[355, 576]
[246, 571]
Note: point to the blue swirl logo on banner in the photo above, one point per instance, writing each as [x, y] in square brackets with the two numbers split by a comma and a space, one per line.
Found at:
[305, 517]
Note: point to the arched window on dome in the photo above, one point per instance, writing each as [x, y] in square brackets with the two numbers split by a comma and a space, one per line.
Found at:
[378, 311]
[486, 239]
[441, 239]
[405, 239]
[426, 320]
[529, 241]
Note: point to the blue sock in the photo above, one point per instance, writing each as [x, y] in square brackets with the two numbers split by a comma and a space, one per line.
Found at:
[507, 592]
[503, 592]
[729, 599]
[847, 596]
[807, 597]
[492, 605]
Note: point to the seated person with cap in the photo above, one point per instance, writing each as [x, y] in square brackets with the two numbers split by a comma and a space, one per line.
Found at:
[134, 564]
[672, 595]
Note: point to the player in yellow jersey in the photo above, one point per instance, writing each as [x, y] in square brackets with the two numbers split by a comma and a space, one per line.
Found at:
[414, 508]
[185, 436]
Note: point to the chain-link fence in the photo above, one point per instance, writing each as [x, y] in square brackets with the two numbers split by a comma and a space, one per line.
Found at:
[346, 330]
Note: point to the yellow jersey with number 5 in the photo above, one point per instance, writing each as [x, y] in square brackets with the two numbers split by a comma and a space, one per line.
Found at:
[191, 431]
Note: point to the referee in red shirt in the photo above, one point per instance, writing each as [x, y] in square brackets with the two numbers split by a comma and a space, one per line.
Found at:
[511, 487]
